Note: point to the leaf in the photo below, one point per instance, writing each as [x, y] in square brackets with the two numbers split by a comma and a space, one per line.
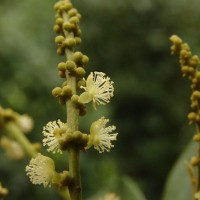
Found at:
[130, 190]
[178, 185]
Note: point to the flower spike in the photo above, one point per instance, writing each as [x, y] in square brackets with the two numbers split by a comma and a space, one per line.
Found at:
[100, 135]
[52, 134]
[41, 170]
[99, 89]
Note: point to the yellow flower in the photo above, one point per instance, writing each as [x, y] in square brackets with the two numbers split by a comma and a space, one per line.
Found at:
[99, 89]
[100, 136]
[52, 134]
[41, 170]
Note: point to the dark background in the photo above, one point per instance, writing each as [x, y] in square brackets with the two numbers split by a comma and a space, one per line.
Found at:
[129, 41]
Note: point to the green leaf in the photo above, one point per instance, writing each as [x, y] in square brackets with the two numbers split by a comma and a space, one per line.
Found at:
[178, 185]
[130, 190]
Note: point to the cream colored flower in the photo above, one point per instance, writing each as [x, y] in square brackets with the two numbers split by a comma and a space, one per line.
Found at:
[52, 134]
[110, 196]
[25, 122]
[100, 136]
[99, 89]
[41, 170]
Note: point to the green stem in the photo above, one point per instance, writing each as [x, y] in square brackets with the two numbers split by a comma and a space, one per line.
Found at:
[15, 132]
[64, 192]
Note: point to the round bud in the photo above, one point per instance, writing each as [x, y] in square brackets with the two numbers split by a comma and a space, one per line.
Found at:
[62, 74]
[80, 72]
[68, 26]
[78, 32]
[72, 12]
[67, 6]
[59, 21]
[70, 65]
[75, 99]
[56, 92]
[192, 116]
[78, 56]
[85, 60]
[59, 39]
[81, 83]
[57, 28]
[70, 42]
[60, 51]
[57, 6]
[74, 20]
[78, 40]
[62, 66]
[67, 91]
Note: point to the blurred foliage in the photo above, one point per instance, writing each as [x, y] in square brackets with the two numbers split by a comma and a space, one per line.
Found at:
[128, 40]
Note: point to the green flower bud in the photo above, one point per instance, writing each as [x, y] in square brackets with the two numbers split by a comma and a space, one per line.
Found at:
[75, 99]
[70, 65]
[85, 60]
[60, 51]
[81, 83]
[56, 92]
[59, 39]
[67, 91]
[194, 161]
[57, 28]
[78, 40]
[74, 20]
[67, 6]
[70, 42]
[80, 72]
[78, 56]
[62, 74]
[73, 12]
[68, 26]
[62, 66]
[59, 21]
[77, 135]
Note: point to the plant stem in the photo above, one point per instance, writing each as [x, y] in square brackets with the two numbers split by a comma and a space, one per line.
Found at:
[15, 132]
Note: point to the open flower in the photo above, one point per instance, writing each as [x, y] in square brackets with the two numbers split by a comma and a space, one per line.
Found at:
[101, 136]
[52, 134]
[99, 89]
[41, 170]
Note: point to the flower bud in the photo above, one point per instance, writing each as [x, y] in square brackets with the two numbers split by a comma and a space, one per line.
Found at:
[67, 91]
[56, 92]
[59, 21]
[78, 56]
[194, 161]
[59, 39]
[70, 65]
[62, 66]
[80, 72]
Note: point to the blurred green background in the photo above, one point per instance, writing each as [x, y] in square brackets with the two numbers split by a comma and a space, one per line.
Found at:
[128, 40]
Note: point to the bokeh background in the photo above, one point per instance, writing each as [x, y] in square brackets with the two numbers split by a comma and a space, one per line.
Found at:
[129, 41]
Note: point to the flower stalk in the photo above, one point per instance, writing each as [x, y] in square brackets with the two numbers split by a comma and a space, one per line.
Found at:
[189, 68]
